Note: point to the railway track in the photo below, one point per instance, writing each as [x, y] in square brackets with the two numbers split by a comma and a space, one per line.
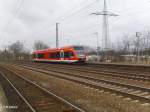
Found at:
[142, 71]
[103, 65]
[132, 91]
[132, 68]
[36, 98]
[100, 71]
[15, 103]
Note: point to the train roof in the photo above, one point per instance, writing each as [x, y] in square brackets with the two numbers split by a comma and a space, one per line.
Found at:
[55, 49]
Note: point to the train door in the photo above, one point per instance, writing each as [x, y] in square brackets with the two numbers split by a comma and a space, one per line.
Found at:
[62, 55]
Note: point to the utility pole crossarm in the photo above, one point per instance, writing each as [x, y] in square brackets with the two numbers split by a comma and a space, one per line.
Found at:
[99, 13]
[112, 14]
[105, 13]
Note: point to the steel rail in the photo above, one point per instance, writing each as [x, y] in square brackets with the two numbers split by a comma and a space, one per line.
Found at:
[89, 82]
[22, 97]
[74, 107]
[133, 76]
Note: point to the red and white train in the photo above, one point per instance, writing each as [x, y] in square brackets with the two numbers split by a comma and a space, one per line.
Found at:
[70, 54]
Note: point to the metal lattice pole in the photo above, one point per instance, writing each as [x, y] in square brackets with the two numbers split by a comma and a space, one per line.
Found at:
[105, 33]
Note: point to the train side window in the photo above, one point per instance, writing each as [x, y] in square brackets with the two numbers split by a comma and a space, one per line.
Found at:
[57, 54]
[33, 55]
[54, 55]
[71, 54]
[40, 55]
[68, 54]
[50, 55]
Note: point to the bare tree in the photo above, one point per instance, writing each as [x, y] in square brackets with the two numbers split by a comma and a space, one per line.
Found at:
[17, 51]
[39, 45]
[17, 47]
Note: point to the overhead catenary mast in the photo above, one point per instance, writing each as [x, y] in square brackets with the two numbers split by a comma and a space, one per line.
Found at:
[105, 33]
[57, 38]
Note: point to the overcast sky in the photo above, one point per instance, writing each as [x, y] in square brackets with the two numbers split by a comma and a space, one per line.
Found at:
[30, 20]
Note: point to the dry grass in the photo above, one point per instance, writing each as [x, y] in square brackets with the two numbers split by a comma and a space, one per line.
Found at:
[3, 100]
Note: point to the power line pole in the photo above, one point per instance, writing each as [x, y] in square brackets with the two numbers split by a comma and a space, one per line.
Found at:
[105, 27]
[138, 46]
[105, 33]
[147, 49]
[57, 38]
[96, 33]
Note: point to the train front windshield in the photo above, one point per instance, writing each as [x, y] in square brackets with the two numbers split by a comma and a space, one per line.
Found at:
[80, 51]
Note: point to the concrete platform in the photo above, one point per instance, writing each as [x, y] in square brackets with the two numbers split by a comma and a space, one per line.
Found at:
[3, 101]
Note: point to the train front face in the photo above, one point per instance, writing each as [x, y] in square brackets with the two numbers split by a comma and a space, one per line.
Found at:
[80, 53]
